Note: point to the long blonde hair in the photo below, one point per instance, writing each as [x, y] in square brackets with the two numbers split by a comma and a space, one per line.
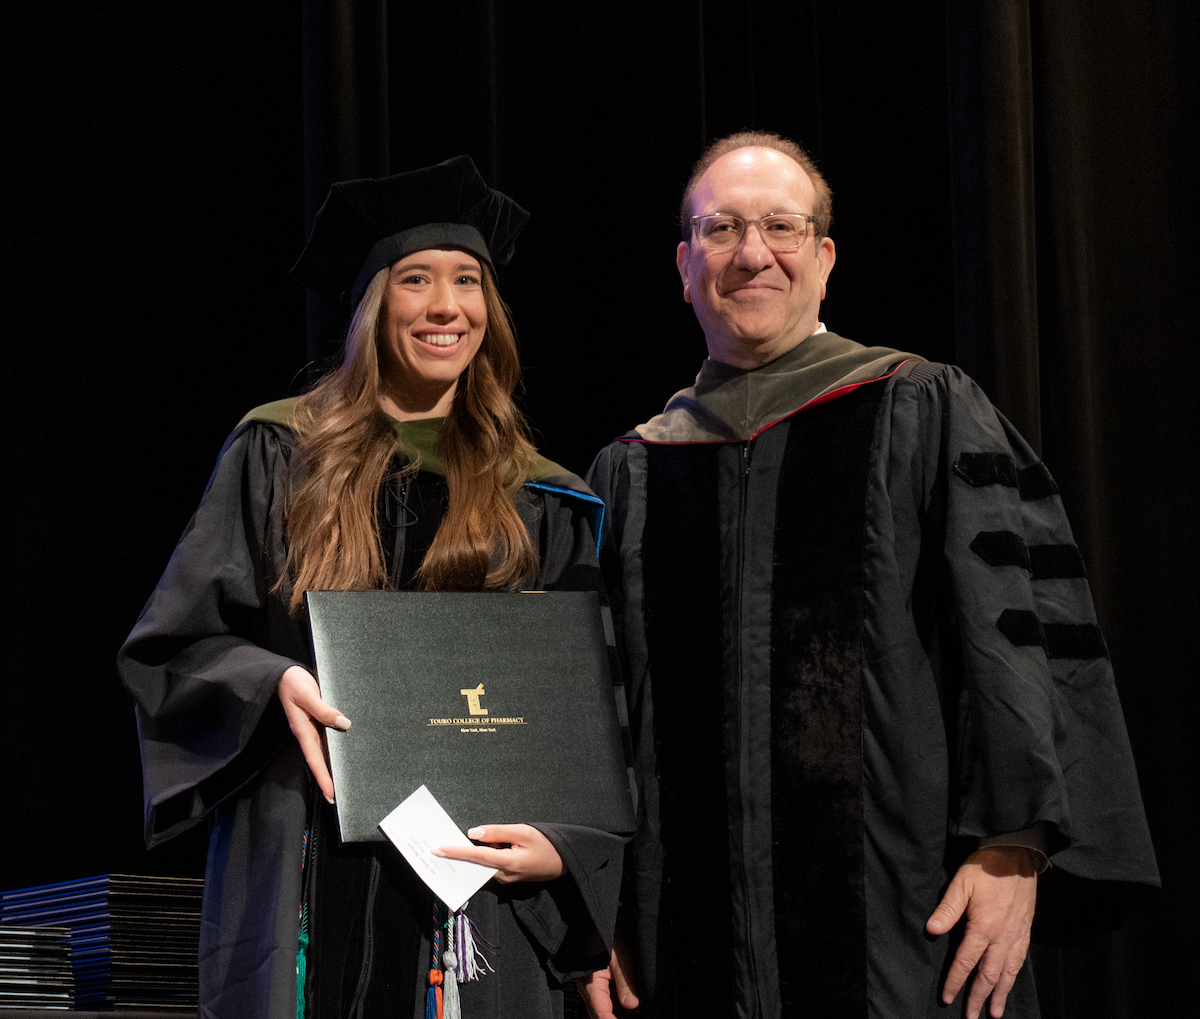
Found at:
[347, 443]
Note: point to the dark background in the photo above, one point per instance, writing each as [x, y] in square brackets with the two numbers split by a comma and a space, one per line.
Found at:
[1014, 190]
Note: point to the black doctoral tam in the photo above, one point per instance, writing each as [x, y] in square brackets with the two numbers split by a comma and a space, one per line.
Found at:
[366, 225]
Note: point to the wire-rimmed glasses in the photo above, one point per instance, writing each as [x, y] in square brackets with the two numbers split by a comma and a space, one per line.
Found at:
[780, 231]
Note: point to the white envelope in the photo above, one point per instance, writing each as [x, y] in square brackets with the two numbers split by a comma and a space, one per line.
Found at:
[420, 825]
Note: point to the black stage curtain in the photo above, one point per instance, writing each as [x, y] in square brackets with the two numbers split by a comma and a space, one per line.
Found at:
[1073, 134]
[1014, 191]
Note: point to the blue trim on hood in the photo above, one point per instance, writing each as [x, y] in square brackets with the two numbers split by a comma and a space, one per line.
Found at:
[596, 512]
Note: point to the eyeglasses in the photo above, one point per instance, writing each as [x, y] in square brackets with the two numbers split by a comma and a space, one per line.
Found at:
[781, 231]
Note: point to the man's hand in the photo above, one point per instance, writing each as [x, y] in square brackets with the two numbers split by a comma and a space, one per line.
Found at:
[600, 989]
[308, 715]
[996, 888]
[518, 851]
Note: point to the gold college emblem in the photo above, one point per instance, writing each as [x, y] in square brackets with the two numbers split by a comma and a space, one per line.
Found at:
[472, 697]
[477, 718]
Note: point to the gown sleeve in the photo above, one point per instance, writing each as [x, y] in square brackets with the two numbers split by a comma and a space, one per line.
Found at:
[617, 476]
[196, 661]
[1036, 727]
[571, 920]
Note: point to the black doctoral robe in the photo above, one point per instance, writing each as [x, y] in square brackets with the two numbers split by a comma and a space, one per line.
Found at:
[858, 638]
[203, 663]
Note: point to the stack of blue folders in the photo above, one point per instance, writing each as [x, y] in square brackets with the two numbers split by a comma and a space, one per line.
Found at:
[133, 939]
[35, 968]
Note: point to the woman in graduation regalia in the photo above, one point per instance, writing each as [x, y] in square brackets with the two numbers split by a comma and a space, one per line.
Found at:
[408, 466]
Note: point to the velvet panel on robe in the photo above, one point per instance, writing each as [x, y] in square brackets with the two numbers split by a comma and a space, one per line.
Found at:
[203, 663]
[884, 601]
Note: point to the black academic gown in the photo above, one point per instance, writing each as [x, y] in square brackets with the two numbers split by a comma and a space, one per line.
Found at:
[858, 638]
[203, 663]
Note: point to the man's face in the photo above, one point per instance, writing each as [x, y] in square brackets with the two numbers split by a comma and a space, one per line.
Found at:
[754, 304]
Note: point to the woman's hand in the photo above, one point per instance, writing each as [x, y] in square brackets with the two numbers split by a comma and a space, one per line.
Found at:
[527, 854]
[308, 716]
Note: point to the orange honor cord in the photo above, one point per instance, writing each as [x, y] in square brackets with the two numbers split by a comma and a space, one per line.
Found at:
[433, 997]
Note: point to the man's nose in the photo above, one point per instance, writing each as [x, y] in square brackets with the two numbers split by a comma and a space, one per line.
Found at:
[753, 252]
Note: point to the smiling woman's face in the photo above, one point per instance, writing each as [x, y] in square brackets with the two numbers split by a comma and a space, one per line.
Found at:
[434, 318]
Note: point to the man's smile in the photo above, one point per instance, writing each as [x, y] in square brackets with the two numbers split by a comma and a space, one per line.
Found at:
[753, 288]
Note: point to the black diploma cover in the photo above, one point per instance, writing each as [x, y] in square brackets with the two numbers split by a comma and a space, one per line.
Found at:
[502, 704]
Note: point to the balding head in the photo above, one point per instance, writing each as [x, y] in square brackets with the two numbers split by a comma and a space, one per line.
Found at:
[823, 196]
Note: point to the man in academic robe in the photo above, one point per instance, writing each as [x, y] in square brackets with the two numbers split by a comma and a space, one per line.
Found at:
[871, 706]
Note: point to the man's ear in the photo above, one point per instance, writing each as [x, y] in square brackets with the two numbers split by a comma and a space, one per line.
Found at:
[682, 254]
[826, 256]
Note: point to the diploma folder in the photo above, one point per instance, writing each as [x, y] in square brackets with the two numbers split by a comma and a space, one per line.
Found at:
[501, 703]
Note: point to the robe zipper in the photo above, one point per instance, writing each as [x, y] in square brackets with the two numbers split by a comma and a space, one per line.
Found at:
[743, 496]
